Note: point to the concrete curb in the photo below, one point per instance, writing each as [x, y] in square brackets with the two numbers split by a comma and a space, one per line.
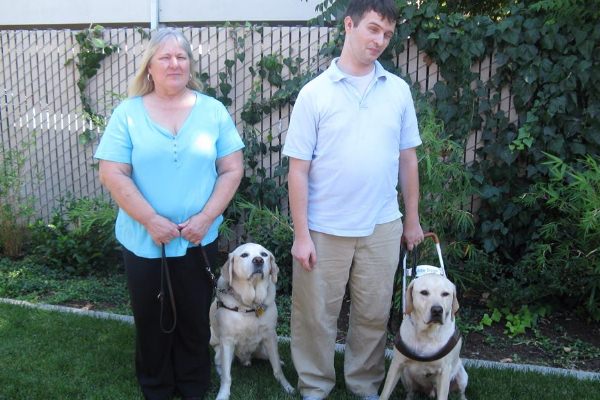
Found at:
[72, 310]
[469, 363]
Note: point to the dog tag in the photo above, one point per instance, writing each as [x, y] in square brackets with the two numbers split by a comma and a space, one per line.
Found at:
[260, 310]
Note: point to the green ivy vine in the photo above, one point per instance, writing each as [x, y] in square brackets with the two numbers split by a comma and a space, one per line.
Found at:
[92, 50]
[262, 184]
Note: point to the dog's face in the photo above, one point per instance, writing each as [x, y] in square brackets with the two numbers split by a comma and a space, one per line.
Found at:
[431, 299]
[248, 270]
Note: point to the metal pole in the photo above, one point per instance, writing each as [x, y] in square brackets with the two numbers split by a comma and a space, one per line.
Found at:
[154, 14]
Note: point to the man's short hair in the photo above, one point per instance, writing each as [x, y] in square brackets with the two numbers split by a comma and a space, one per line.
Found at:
[386, 8]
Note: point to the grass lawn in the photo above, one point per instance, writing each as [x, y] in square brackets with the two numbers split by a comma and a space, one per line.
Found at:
[50, 355]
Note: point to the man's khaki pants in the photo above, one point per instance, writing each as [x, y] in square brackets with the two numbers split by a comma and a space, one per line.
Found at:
[367, 265]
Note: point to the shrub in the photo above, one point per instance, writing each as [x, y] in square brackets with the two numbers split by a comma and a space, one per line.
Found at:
[562, 259]
[15, 209]
[446, 192]
[446, 189]
[79, 238]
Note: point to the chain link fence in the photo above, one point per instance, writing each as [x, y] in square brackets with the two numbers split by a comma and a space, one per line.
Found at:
[41, 111]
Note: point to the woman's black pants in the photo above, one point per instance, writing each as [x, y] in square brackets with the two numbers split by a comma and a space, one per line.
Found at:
[177, 363]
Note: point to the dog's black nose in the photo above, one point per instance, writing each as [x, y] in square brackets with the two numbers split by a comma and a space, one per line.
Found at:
[436, 311]
[258, 261]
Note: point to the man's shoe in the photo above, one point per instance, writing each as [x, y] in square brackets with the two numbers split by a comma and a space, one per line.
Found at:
[370, 397]
[311, 398]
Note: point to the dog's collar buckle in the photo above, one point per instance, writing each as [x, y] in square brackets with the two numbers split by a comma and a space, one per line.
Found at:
[259, 311]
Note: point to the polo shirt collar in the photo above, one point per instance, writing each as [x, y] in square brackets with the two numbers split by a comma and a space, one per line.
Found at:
[337, 75]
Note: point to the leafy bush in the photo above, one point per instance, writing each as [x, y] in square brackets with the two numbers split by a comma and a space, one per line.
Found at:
[516, 323]
[445, 182]
[445, 186]
[15, 209]
[563, 256]
[79, 238]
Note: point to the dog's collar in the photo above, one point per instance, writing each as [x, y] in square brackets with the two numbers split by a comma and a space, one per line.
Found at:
[258, 311]
[447, 348]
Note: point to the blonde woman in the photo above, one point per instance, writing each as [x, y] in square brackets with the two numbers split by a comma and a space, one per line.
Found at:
[171, 159]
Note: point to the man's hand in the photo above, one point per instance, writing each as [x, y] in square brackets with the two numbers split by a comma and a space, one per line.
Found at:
[304, 251]
[413, 233]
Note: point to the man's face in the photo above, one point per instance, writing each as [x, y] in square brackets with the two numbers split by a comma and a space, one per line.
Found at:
[369, 38]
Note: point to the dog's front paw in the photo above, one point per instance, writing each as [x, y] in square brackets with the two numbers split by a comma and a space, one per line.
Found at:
[223, 394]
[288, 388]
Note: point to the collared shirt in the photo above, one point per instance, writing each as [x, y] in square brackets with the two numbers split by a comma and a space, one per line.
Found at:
[176, 174]
[353, 143]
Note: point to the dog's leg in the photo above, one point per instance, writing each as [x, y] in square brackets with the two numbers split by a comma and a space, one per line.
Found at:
[462, 379]
[227, 353]
[392, 378]
[443, 384]
[273, 353]
[218, 358]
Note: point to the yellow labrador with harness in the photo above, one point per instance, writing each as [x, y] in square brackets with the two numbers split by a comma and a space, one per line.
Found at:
[243, 315]
[427, 346]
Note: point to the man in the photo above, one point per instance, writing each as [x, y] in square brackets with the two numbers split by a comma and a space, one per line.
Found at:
[353, 131]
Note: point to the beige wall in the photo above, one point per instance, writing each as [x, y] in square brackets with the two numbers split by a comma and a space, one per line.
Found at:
[78, 12]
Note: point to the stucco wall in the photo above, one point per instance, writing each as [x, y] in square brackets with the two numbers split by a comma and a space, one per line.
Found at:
[77, 12]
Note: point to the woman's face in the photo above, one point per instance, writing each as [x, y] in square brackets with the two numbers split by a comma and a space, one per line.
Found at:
[170, 66]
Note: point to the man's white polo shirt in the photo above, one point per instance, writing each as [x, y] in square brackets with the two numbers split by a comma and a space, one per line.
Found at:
[353, 144]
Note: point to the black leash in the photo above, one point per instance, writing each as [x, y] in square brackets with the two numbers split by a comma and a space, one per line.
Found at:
[166, 276]
[207, 268]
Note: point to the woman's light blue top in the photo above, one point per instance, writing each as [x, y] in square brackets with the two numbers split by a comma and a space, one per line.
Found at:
[176, 174]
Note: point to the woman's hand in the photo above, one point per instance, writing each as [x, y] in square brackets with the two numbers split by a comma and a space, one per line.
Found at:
[161, 229]
[195, 228]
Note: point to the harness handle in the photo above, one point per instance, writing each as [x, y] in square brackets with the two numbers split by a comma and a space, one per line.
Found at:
[411, 271]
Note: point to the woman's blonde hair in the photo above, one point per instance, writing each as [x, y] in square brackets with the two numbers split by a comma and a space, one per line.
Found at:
[141, 83]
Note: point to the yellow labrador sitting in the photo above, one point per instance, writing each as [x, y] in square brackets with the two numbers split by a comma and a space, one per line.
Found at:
[426, 355]
[243, 315]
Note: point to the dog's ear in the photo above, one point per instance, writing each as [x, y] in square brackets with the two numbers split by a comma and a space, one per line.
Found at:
[274, 267]
[409, 299]
[455, 305]
[227, 269]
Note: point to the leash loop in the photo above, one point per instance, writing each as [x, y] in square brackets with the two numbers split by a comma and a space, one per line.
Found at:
[165, 277]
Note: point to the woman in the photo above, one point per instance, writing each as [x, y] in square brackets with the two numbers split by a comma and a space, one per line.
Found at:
[171, 159]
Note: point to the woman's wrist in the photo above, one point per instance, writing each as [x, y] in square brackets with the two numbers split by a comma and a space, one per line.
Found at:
[206, 215]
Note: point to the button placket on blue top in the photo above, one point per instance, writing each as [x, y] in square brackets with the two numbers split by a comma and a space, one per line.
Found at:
[175, 152]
